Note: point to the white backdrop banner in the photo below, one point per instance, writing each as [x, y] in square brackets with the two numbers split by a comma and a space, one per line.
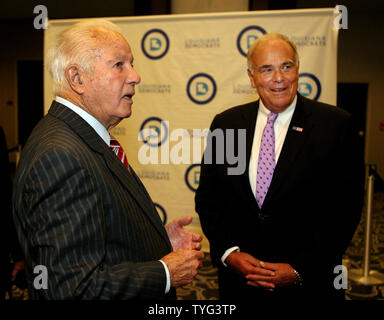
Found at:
[193, 67]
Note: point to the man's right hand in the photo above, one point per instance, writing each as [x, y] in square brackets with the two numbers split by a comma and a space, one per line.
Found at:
[183, 266]
[244, 264]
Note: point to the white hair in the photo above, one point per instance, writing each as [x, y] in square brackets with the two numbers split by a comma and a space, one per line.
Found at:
[267, 37]
[80, 44]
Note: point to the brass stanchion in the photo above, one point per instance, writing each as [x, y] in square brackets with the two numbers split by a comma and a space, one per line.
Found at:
[366, 276]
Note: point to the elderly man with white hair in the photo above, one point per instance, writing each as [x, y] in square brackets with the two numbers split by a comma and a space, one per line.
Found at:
[82, 214]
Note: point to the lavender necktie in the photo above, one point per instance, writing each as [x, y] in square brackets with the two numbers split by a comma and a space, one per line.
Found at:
[266, 164]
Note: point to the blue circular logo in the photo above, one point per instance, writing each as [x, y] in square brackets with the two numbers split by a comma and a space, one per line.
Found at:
[309, 86]
[154, 132]
[192, 176]
[162, 213]
[201, 88]
[247, 36]
[155, 44]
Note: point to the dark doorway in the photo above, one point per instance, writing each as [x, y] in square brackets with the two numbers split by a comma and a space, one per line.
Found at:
[353, 98]
[29, 96]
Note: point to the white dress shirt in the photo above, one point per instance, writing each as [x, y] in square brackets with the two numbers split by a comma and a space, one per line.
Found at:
[104, 134]
[281, 126]
[91, 120]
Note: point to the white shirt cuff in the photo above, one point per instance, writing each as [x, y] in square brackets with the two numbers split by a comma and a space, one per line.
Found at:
[227, 253]
[168, 286]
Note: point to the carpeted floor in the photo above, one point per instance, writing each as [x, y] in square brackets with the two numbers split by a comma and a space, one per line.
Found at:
[205, 287]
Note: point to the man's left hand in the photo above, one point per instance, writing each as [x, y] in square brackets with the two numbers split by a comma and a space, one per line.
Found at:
[182, 239]
[284, 275]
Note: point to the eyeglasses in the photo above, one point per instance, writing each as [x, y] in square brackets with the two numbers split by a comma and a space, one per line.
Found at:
[285, 68]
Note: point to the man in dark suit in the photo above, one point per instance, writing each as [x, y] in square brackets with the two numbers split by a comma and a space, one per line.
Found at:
[279, 229]
[88, 228]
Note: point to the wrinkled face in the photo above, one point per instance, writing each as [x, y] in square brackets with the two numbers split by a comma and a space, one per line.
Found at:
[275, 75]
[110, 87]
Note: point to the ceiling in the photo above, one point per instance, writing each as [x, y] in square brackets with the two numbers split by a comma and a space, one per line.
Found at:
[23, 9]
[11, 10]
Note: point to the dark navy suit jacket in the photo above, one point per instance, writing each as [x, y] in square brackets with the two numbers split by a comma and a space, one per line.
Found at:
[312, 207]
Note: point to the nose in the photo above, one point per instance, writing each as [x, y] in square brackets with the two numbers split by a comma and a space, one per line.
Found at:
[277, 75]
[133, 76]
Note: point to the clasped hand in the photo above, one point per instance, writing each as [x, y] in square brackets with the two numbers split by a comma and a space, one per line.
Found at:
[261, 274]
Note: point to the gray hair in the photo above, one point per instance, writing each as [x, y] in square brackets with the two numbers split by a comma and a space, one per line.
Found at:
[267, 37]
[80, 44]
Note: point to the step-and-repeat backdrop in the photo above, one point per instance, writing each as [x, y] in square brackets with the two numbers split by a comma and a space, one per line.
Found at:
[193, 67]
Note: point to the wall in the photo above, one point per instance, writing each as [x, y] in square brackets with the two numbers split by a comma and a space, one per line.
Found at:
[360, 59]
[20, 41]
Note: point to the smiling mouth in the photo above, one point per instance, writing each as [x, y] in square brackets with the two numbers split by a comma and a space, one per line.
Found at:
[278, 90]
[128, 96]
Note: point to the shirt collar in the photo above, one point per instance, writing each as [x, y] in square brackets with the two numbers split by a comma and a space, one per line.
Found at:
[91, 120]
[287, 111]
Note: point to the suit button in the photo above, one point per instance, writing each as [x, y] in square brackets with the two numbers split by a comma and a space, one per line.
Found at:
[264, 217]
[101, 267]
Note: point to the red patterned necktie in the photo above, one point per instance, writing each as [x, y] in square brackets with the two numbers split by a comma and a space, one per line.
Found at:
[119, 152]
[266, 164]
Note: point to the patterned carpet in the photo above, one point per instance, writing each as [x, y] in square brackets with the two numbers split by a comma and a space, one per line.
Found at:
[205, 287]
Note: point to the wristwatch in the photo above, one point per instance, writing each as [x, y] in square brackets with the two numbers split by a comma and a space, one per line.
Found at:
[299, 279]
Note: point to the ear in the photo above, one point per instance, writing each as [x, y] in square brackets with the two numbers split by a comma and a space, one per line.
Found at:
[75, 77]
[251, 78]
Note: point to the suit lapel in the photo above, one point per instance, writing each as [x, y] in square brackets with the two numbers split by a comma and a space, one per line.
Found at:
[293, 145]
[249, 118]
[134, 186]
[131, 183]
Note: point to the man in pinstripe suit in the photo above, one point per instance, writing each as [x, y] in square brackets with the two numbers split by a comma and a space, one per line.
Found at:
[78, 211]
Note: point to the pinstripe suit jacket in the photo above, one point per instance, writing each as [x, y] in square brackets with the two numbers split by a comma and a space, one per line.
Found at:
[81, 214]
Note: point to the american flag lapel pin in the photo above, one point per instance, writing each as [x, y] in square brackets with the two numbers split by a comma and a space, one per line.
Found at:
[298, 129]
